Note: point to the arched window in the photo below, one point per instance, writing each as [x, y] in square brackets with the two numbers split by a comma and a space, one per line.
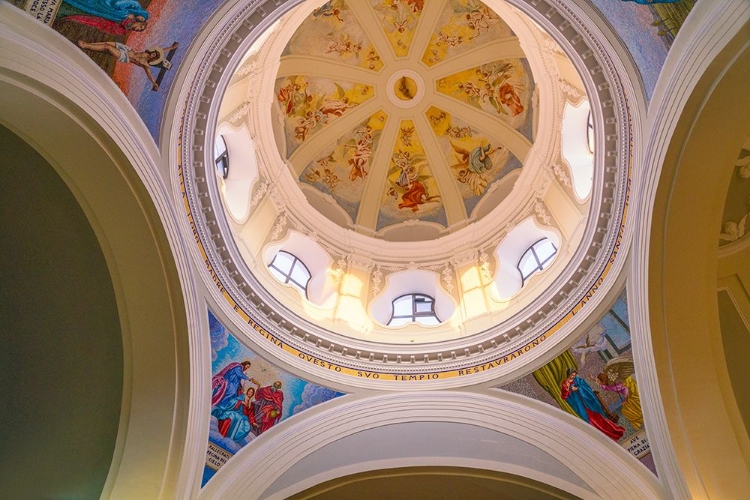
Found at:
[590, 133]
[221, 156]
[536, 258]
[414, 308]
[288, 269]
[577, 146]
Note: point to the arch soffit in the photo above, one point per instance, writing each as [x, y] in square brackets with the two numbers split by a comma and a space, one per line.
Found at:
[77, 109]
[674, 315]
[605, 468]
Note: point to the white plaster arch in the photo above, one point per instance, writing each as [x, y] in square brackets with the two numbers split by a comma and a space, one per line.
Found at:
[698, 116]
[603, 467]
[84, 126]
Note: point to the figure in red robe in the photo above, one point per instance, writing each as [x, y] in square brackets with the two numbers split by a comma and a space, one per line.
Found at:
[580, 396]
[509, 97]
[130, 23]
[268, 403]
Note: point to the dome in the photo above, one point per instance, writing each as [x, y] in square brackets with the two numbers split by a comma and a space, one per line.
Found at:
[206, 250]
[439, 153]
[416, 121]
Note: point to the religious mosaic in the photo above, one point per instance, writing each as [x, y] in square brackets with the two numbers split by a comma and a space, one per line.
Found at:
[342, 170]
[475, 160]
[399, 19]
[647, 28]
[501, 88]
[463, 25]
[249, 396]
[138, 43]
[595, 381]
[411, 190]
[308, 104]
[334, 32]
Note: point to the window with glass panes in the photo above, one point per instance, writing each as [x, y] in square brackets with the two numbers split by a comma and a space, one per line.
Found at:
[590, 133]
[288, 269]
[221, 156]
[536, 258]
[414, 308]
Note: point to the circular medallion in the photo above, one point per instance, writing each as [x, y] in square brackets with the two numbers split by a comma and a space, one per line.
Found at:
[405, 88]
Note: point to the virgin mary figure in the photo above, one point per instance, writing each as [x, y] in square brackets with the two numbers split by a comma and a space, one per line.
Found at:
[580, 396]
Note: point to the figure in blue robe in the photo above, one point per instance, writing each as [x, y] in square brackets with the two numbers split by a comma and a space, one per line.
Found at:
[228, 382]
[234, 416]
[580, 396]
[479, 159]
[114, 10]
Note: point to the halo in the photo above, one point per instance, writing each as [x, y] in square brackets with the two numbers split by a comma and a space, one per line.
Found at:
[159, 59]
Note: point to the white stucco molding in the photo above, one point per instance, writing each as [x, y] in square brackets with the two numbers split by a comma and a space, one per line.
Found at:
[582, 286]
[42, 67]
[710, 27]
[607, 469]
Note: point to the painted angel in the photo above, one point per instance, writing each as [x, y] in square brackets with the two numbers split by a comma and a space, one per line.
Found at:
[480, 20]
[472, 164]
[328, 9]
[595, 341]
[619, 376]
[415, 192]
[362, 153]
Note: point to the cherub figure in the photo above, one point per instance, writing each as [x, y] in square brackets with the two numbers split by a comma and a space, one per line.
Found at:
[459, 132]
[362, 153]
[342, 45]
[619, 376]
[480, 20]
[449, 40]
[328, 10]
[406, 133]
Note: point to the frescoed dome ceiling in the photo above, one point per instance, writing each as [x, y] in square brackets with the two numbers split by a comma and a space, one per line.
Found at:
[402, 111]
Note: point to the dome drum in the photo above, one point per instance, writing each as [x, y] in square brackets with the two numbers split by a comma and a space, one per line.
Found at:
[541, 319]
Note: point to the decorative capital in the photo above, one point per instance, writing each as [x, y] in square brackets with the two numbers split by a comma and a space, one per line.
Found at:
[376, 280]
